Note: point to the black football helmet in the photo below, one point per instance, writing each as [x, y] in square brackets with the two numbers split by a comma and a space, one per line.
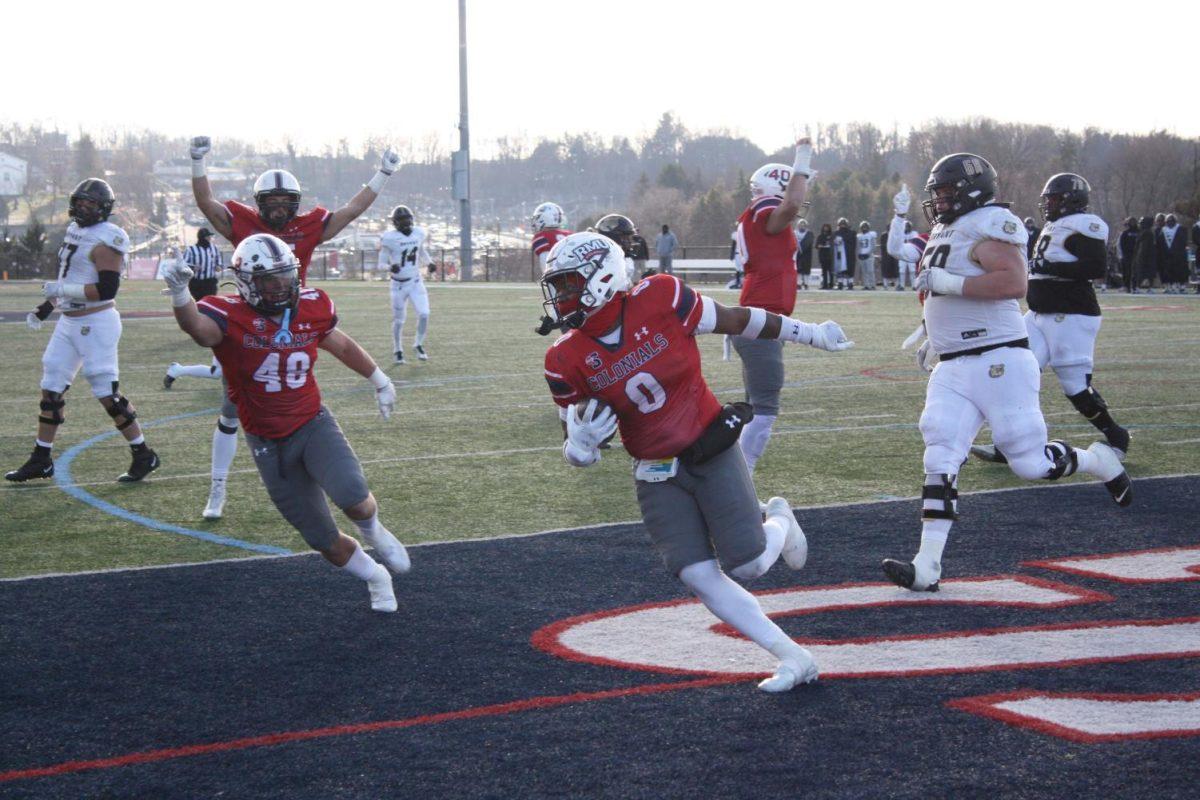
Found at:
[972, 179]
[402, 219]
[620, 229]
[100, 193]
[1065, 193]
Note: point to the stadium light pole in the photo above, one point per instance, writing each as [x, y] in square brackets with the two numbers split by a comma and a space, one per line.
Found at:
[461, 160]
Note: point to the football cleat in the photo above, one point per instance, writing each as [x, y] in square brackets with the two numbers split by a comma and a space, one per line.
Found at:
[988, 453]
[170, 377]
[791, 673]
[383, 596]
[421, 354]
[399, 357]
[1115, 478]
[795, 546]
[904, 574]
[216, 499]
[38, 466]
[389, 548]
[1118, 440]
[144, 462]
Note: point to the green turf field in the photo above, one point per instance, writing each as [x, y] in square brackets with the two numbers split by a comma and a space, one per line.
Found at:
[474, 448]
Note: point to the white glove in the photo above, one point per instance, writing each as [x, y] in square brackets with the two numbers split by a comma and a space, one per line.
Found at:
[830, 336]
[32, 321]
[926, 358]
[200, 147]
[589, 424]
[938, 281]
[902, 200]
[176, 275]
[802, 164]
[386, 397]
[52, 290]
[389, 162]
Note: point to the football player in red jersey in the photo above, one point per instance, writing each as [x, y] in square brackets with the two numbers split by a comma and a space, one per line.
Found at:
[277, 195]
[549, 222]
[635, 350]
[766, 247]
[266, 338]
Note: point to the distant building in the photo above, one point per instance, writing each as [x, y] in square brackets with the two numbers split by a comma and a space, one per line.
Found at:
[14, 172]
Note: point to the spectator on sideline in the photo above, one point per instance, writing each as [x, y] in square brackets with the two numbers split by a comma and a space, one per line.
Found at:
[1145, 257]
[1173, 249]
[865, 248]
[825, 255]
[1196, 245]
[888, 265]
[845, 266]
[1126, 247]
[1034, 232]
[639, 251]
[804, 252]
[665, 245]
[205, 261]
[1160, 255]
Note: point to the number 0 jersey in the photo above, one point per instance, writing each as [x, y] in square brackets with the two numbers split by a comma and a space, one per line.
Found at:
[75, 263]
[404, 254]
[303, 233]
[270, 381]
[651, 377]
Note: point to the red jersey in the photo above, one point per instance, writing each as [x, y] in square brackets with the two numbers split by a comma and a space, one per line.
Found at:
[770, 259]
[651, 377]
[544, 240]
[303, 233]
[270, 381]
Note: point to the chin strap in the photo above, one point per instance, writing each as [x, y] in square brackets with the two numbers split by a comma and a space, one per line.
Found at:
[283, 335]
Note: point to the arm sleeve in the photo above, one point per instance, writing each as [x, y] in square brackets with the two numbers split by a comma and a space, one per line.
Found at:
[107, 284]
[1092, 263]
[897, 247]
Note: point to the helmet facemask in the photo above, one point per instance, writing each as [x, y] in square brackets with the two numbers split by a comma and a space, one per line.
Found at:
[583, 273]
[277, 208]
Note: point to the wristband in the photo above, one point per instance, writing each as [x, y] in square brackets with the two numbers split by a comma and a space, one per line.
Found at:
[198, 168]
[943, 282]
[379, 379]
[793, 330]
[377, 181]
[180, 296]
[74, 291]
[802, 163]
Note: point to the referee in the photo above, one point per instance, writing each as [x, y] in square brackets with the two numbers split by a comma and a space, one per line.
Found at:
[205, 260]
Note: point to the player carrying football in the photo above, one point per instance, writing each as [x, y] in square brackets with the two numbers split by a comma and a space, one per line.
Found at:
[266, 338]
[87, 333]
[277, 195]
[635, 350]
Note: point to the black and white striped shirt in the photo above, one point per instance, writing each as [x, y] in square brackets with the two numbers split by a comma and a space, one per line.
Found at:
[204, 261]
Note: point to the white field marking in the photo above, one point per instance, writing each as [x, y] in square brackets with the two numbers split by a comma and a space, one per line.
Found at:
[576, 529]
[1108, 717]
[1154, 566]
[1182, 441]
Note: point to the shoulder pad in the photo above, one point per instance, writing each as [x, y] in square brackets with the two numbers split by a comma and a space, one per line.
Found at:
[1089, 225]
[994, 222]
[114, 237]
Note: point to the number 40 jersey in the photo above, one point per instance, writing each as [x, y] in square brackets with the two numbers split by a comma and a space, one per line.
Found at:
[270, 377]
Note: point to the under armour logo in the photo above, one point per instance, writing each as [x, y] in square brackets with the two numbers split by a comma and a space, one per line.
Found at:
[637, 335]
[304, 326]
[733, 421]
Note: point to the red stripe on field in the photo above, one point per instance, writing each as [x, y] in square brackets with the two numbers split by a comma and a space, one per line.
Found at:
[271, 739]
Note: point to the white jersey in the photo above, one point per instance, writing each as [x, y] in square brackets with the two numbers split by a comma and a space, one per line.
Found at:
[404, 254]
[957, 323]
[75, 263]
[866, 244]
[1051, 243]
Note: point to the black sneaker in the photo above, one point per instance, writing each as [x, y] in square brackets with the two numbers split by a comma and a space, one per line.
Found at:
[904, 575]
[144, 462]
[421, 354]
[399, 357]
[38, 466]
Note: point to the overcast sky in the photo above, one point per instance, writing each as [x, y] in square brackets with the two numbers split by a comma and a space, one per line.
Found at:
[266, 71]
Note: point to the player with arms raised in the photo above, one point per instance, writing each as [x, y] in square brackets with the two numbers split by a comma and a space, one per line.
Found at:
[87, 333]
[277, 196]
[266, 338]
[635, 350]
[972, 272]
[402, 253]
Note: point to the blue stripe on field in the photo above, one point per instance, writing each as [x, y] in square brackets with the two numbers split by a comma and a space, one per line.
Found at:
[62, 477]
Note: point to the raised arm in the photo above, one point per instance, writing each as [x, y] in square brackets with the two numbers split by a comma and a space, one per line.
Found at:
[786, 212]
[898, 246]
[204, 331]
[213, 211]
[339, 219]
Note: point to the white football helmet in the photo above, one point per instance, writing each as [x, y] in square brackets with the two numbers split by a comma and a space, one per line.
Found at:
[770, 180]
[277, 183]
[583, 272]
[267, 273]
[548, 215]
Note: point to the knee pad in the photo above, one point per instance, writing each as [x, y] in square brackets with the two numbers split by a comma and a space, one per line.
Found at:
[120, 408]
[52, 409]
[1088, 402]
[939, 497]
[1064, 458]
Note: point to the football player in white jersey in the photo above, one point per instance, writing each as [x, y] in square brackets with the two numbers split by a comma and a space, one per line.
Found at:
[972, 272]
[402, 253]
[87, 333]
[1064, 316]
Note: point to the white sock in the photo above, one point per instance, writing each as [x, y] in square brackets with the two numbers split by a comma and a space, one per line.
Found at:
[361, 565]
[730, 603]
[224, 448]
[755, 437]
[195, 371]
[785, 648]
[934, 533]
[422, 327]
[40, 443]
[1087, 462]
[397, 327]
[139, 439]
